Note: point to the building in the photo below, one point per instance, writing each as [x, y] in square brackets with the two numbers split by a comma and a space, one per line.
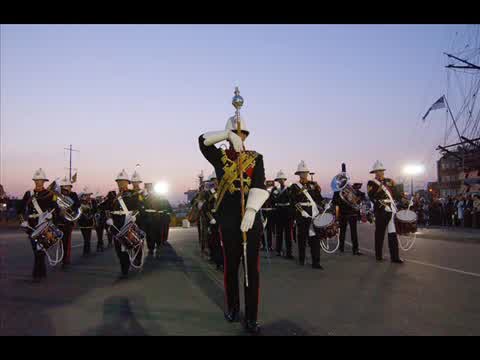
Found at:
[190, 195]
[458, 171]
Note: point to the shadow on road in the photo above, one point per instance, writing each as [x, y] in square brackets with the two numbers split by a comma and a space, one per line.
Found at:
[118, 319]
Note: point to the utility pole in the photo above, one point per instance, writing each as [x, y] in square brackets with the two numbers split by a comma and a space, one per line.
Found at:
[70, 149]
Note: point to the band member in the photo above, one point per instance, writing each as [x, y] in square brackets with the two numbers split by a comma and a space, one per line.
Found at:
[166, 211]
[383, 192]
[229, 216]
[306, 199]
[99, 221]
[284, 216]
[152, 220]
[121, 209]
[268, 220]
[347, 215]
[136, 180]
[35, 207]
[64, 224]
[214, 238]
[86, 221]
[197, 214]
[108, 204]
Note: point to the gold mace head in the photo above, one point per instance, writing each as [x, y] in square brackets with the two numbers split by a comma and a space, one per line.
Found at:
[237, 100]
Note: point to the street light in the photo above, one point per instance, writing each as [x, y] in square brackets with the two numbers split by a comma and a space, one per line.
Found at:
[161, 188]
[413, 170]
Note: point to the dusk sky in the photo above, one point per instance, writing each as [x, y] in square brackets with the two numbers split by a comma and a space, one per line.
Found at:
[142, 94]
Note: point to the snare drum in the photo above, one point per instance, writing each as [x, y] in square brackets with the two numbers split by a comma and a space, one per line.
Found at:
[405, 222]
[47, 234]
[130, 235]
[325, 226]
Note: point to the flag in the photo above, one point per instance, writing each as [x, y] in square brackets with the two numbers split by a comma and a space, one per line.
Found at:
[74, 178]
[439, 104]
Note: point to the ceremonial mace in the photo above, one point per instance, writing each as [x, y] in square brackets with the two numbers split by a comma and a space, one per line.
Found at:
[237, 103]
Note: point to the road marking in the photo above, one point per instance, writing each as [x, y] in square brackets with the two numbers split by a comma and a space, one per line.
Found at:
[427, 264]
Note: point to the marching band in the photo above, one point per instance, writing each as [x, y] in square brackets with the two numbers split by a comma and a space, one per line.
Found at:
[237, 211]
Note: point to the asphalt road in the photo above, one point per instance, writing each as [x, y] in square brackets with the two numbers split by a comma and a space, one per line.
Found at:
[436, 292]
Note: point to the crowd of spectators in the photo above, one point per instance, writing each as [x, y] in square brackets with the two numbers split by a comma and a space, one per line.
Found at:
[454, 211]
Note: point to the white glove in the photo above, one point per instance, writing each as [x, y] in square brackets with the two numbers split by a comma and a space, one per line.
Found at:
[305, 214]
[213, 222]
[109, 222]
[48, 216]
[132, 219]
[24, 224]
[236, 141]
[248, 220]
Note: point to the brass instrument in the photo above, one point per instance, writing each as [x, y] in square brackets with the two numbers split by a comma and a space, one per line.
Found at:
[340, 184]
[65, 203]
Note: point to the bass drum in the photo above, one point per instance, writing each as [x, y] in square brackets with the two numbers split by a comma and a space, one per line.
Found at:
[406, 222]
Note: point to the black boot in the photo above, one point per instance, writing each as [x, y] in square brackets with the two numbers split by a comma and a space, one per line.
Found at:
[393, 247]
[252, 327]
[232, 316]
[317, 266]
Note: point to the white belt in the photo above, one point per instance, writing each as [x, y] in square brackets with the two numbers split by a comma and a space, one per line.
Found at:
[267, 209]
[305, 204]
[151, 211]
[120, 212]
[34, 216]
[284, 204]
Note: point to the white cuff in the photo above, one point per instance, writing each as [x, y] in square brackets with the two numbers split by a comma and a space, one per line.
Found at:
[256, 198]
[214, 137]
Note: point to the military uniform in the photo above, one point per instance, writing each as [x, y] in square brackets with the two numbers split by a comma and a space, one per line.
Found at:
[153, 222]
[99, 222]
[67, 227]
[348, 216]
[86, 222]
[384, 216]
[141, 217]
[304, 224]
[284, 219]
[104, 207]
[166, 211]
[202, 223]
[213, 231]
[133, 202]
[268, 216]
[229, 217]
[46, 201]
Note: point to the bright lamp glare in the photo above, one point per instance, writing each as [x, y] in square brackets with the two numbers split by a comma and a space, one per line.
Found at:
[161, 188]
[413, 169]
